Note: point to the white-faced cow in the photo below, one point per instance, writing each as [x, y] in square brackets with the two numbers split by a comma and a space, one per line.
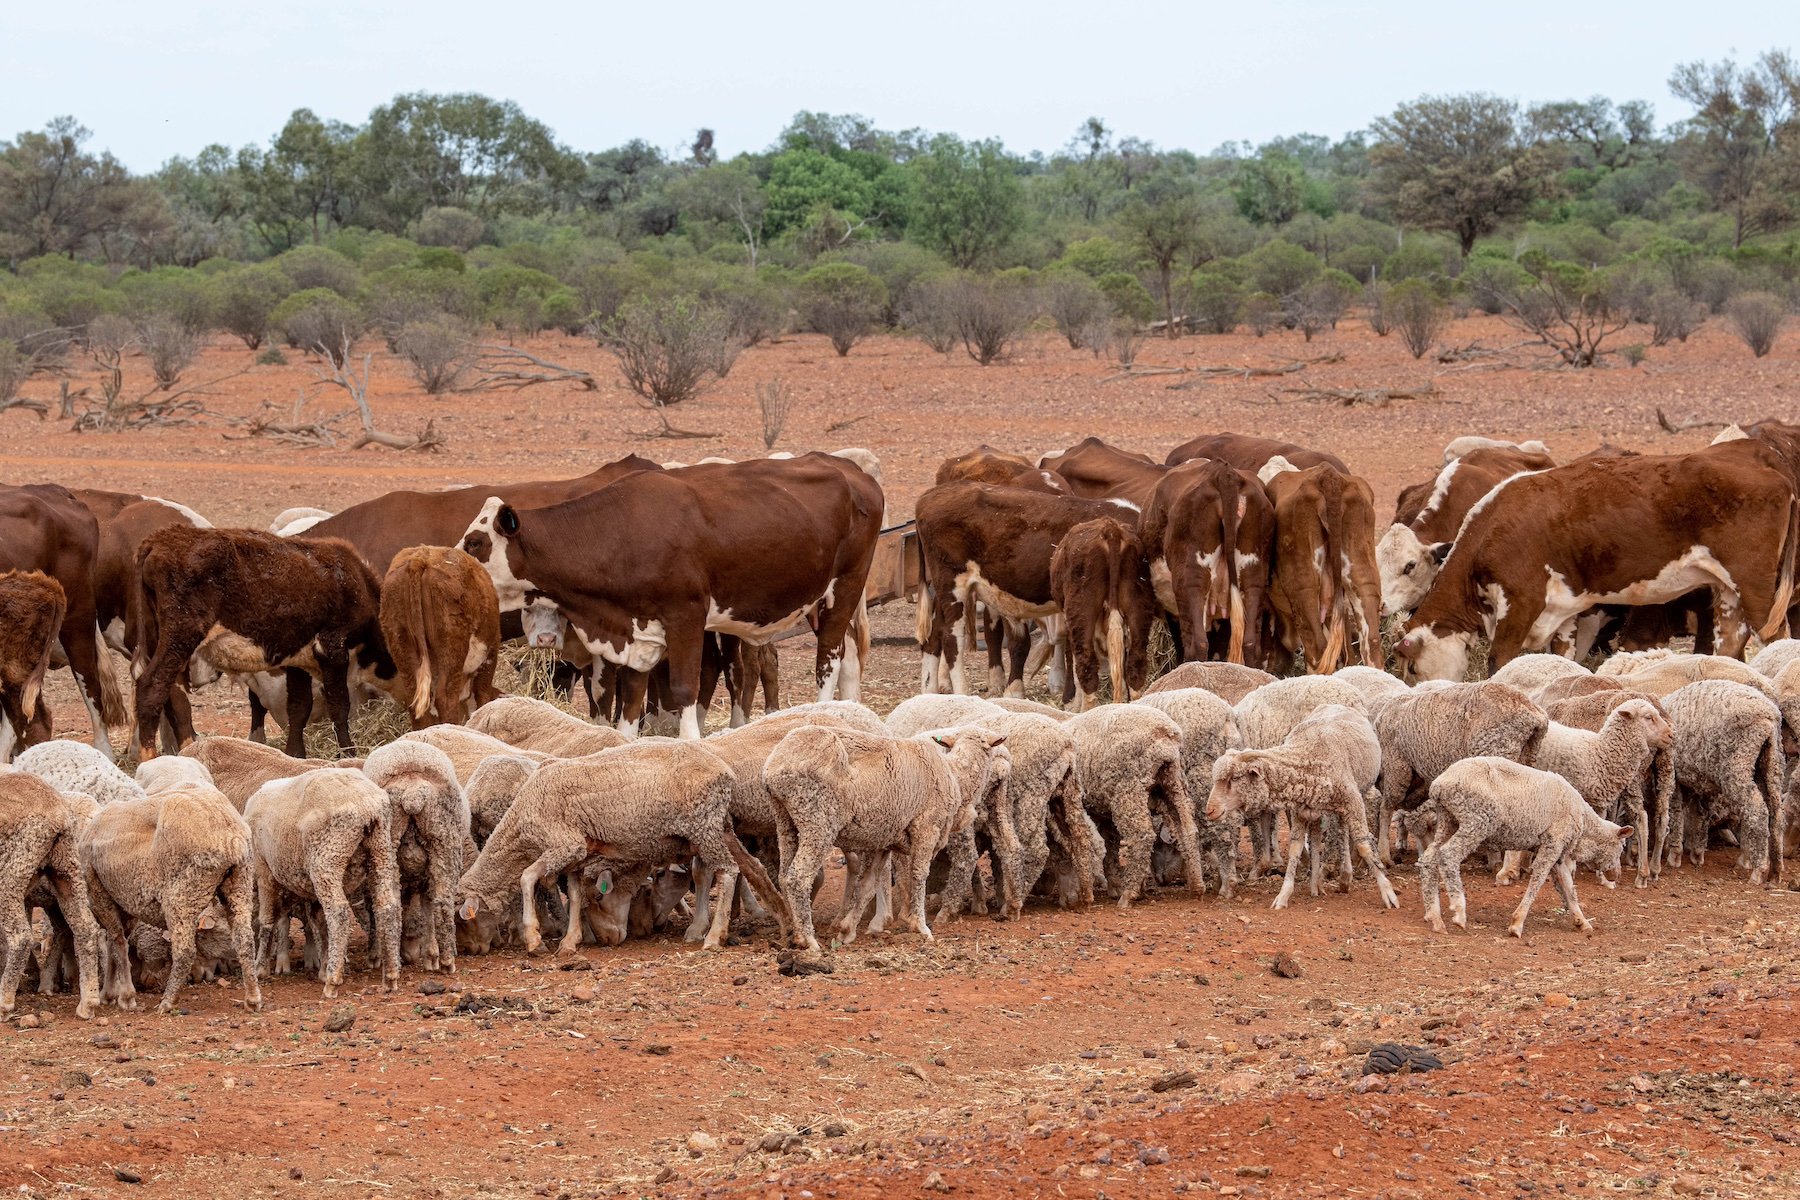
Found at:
[642, 569]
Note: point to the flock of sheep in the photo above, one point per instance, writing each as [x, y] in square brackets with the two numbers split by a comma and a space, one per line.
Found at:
[530, 824]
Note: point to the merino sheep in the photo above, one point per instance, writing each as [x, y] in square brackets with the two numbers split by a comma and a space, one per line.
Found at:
[1018, 704]
[1607, 767]
[1230, 682]
[40, 831]
[1128, 767]
[310, 833]
[528, 724]
[1046, 804]
[651, 802]
[169, 771]
[32, 606]
[469, 748]
[239, 766]
[1209, 728]
[1529, 672]
[163, 861]
[917, 714]
[1770, 660]
[1493, 802]
[491, 788]
[1572, 687]
[290, 521]
[875, 794]
[1425, 732]
[1728, 764]
[1327, 765]
[1666, 675]
[1265, 718]
[1377, 686]
[430, 821]
[1469, 443]
[70, 766]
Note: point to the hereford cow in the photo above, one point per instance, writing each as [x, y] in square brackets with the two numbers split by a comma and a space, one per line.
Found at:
[31, 611]
[1545, 548]
[1097, 471]
[1429, 514]
[1208, 531]
[991, 545]
[984, 464]
[1097, 580]
[1248, 453]
[641, 570]
[1327, 590]
[259, 602]
[43, 527]
[441, 622]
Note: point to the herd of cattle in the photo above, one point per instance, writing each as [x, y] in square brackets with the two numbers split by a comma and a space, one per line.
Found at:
[500, 817]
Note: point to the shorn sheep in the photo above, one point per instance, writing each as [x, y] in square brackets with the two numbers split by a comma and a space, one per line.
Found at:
[163, 861]
[1498, 804]
[468, 748]
[1230, 682]
[169, 771]
[1728, 766]
[1208, 729]
[1128, 767]
[1265, 718]
[327, 836]
[40, 829]
[239, 766]
[1327, 765]
[876, 795]
[653, 802]
[77, 767]
[430, 820]
[528, 724]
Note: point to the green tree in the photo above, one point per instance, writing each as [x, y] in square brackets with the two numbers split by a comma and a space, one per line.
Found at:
[1458, 163]
[969, 202]
[803, 180]
[55, 196]
[841, 300]
[1270, 188]
[1743, 145]
[1162, 221]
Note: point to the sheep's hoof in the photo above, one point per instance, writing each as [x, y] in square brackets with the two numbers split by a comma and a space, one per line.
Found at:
[1280, 902]
[1643, 881]
[1506, 879]
[330, 990]
[1517, 929]
[1756, 878]
[1585, 926]
[1436, 923]
[1388, 898]
[1460, 920]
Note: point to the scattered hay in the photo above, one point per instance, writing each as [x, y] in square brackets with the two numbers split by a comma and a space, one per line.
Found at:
[371, 725]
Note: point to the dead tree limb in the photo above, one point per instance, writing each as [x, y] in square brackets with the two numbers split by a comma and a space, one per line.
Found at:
[40, 407]
[427, 439]
[1669, 426]
[1351, 397]
[511, 367]
[835, 426]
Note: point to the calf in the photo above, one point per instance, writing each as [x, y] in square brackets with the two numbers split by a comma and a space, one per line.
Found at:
[1327, 590]
[31, 610]
[441, 622]
[1207, 533]
[1097, 579]
[292, 604]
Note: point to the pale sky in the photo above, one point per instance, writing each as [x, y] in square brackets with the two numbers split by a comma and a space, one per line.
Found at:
[154, 78]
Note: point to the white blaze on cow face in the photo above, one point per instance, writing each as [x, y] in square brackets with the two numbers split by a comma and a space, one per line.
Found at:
[1436, 656]
[508, 587]
[1407, 567]
[545, 626]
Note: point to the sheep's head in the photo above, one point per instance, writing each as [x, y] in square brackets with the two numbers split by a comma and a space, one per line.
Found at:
[1239, 783]
[982, 765]
[1429, 654]
[1601, 845]
[1407, 567]
[1658, 734]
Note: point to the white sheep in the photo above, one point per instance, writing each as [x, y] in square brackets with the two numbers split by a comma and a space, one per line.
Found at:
[239, 766]
[327, 836]
[71, 766]
[1230, 682]
[528, 724]
[161, 861]
[1018, 704]
[40, 831]
[430, 822]
[469, 748]
[1267, 715]
[1377, 686]
[1498, 804]
[1327, 765]
[1469, 443]
[1209, 728]
[1528, 672]
[171, 770]
[1046, 804]
[916, 714]
[1770, 660]
[1128, 767]
[1728, 765]
[877, 795]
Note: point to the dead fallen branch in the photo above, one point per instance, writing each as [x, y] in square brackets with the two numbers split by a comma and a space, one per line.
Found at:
[41, 408]
[1351, 397]
[427, 439]
[1669, 426]
[1292, 367]
[669, 431]
[835, 426]
[153, 408]
[291, 428]
[511, 367]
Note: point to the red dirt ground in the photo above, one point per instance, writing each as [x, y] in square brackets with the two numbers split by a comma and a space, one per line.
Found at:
[1655, 1058]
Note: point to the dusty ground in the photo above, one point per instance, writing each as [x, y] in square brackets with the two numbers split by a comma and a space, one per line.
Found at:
[1655, 1058]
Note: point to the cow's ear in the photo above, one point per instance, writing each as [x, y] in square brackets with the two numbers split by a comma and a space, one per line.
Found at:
[1440, 551]
[506, 520]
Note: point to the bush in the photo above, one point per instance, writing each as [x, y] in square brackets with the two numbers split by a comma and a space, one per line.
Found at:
[1281, 268]
[457, 228]
[71, 302]
[1486, 279]
[172, 292]
[1077, 305]
[244, 300]
[401, 295]
[929, 312]
[990, 316]
[169, 345]
[670, 349]
[1419, 313]
[271, 357]
[841, 300]
[1214, 302]
[562, 310]
[309, 267]
[757, 309]
[318, 321]
[1756, 318]
[1673, 317]
[1097, 257]
[1375, 307]
[439, 349]
[1128, 296]
[1319, 305]
[1262, 312]
[441, 258]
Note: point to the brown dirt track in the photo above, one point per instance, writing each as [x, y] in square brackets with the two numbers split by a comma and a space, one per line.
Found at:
[1656, 1058]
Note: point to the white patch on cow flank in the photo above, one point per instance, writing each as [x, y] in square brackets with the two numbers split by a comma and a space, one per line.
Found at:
[1697, 568]
[1497, 606]
[971, 586]
[1124, 504]
[193, 518]
[1275, 466]
[647, 645]
[478, 652]
[1479, 505]
[1163, 583]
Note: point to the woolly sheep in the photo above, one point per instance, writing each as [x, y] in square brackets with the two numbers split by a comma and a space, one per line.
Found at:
[491, 788]
[1770, 660]
[1265, 718]
[40, 830]
[77, 767]
[167, 771]
[1377, 686]
[1327, 765]
[1528, 672]
[1128, 767]
[1571, 687]
[1492, 802]
[239, 766]
[528, 724]
[916, 714]
[1422, 734]
[429, 809]
[1016, 704]
[878, 795]
[1045, 803]
[1230, 682]
[1728, 763]
[468, 748]
[307, 833]
[650, 802]
[1209, 728]
[1666, 675]
[161, 861]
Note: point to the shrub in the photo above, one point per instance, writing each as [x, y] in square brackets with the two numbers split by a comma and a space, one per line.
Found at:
[439, 349]
[169, 345]
[441, 258]
[1128, 296]
[72, 302]
[1281, 268]
[318, 321]
[1319, 305]
[1674, 317]
[245, 299]
[172, 292]
[404, 294]
[929, 312]
[271, 357]
[1375, 307]
[1563, 304]
[1077, 305]
[1097, 257]
[1486, 278]
[670, 349]
[457, 228]
[990, 316]
[1634, 354]
[1262, 312]
[756, 307]
[309, 267]
[1123, 341]
[841, 300]
[1419, 313]
[562, 310]
[1215, 303]
[1756, 318]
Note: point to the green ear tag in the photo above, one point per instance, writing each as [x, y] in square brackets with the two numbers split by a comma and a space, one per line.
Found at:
[605, 884]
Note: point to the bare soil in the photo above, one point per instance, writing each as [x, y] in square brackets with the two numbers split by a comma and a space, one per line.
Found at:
[1656, 1057]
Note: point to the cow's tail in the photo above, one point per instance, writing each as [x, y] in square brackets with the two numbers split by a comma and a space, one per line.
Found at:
[1115, 653]
[1218, 587]
[1332, 599]
[1776, 625]
[1233, 513]
[922, 630]
[421, 647]
[859, 630]
[147, 626]
[113, 709]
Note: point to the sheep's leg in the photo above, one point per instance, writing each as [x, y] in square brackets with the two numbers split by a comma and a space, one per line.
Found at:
[549, 864]
[704, 879]
[963, 865]
[1007, 855]
[15, 930]
[884, 896]
[1431, 885]
[328, 886]
[1314, 837]
[117, 986]
[440, 903]
[84, 933]
[1565, 884]
[1356, 831]
[1075, 824]
[914, 873]
[797, 870]
[1296, 843]
[1542, 863]
[184, 901]
[859, 887]
[576, 891]
[1137, 839]
[1510, 864]
[1187, 840]
[239, 892]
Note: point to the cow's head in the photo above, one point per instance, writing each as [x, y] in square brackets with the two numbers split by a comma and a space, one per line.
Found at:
[545, 626]
[1407, 567]
[1433, 654]
[487, 540]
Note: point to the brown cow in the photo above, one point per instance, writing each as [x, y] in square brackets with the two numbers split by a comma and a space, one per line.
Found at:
[984, 464]
[1208, 532]
[1098, 581]
[1429, 514]
[1097, 471]
[1546, 548]
[43, 527]
[1327, 590]
[31, 611]
[641, 570]
[990, 545]
[292, 603]
[441, 622]
[1248, 453]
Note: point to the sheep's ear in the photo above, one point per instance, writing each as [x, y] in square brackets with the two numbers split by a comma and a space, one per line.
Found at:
[206, 921]
[1000, 741]
[467, 912]
[940, 741]
[1622, 832]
